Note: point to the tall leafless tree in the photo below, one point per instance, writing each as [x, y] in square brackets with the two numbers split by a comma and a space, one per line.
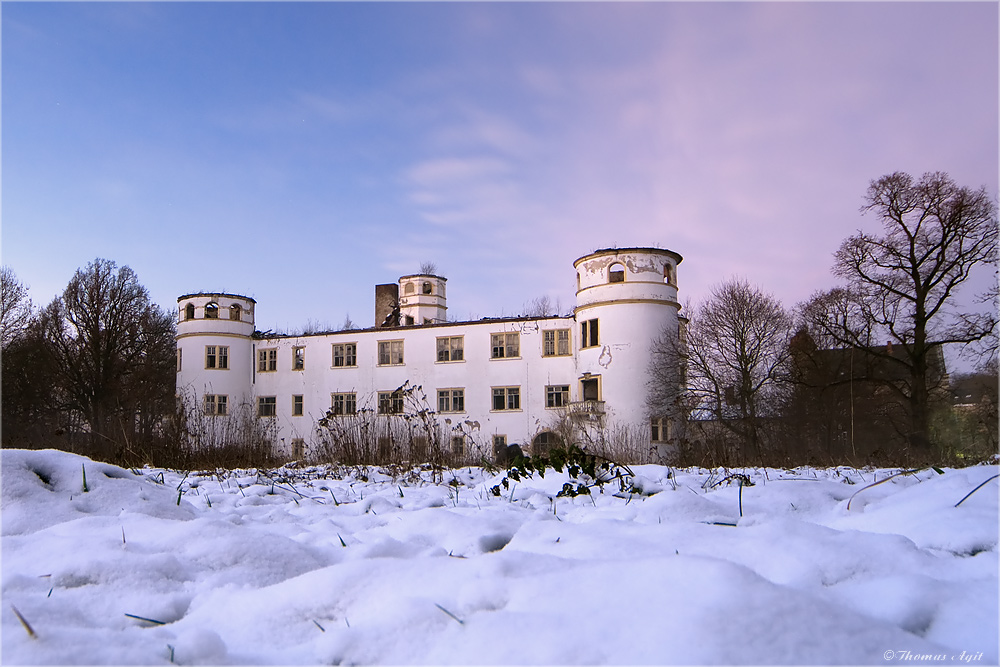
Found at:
[737, 347]
[900, 300]
[15, 307]
[114, 352]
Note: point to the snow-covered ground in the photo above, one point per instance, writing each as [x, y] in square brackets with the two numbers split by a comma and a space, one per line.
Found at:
[317, 567]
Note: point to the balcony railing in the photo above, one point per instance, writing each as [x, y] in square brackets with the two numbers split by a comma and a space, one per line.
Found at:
[586, 409]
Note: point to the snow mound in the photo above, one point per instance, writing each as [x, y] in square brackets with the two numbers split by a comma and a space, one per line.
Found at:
[360, 566]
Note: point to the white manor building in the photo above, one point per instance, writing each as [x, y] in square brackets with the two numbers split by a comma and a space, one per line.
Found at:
[487, 383]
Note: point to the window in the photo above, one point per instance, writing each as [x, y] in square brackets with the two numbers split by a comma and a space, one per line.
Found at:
[616, 273]
[179, 359]
[428, 288]
[505, 345]
[390, 353]
[267, 360]
[298, 358]
[668, 274]
[451, 400]
[189, 311]
[555, 343]
[298, 448]
[217, 356]
[458, 445]
[557, 395]
[212, 311]
[298, 405]
[390, 402]
[451, 349]
[267, 406]
[345, 355]
[588, 333]
[409, 289]
[216, 404]
[235, 311]
[591, 388]
[499, 445]
[344, 404]
[506, 398]
[659, 430]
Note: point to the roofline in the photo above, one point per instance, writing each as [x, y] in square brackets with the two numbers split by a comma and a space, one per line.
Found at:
[615, 251]
[421, 275]
[485, 320]
[229, 294]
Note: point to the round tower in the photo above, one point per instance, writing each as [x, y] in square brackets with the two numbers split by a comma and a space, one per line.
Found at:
[422, 299]
[215, 350]
[625, 299]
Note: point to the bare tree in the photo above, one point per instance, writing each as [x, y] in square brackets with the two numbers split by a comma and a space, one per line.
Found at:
[114, 351]
[902, 285]
[15, 307]
[737, 346]
[540, 306]
[428, 268]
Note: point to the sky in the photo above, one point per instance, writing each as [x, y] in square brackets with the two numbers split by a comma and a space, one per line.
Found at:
[301, 153]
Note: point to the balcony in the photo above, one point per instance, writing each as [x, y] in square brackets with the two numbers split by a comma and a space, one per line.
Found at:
[587, 410]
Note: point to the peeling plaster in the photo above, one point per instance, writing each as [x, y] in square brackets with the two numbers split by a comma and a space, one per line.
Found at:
[605, 359]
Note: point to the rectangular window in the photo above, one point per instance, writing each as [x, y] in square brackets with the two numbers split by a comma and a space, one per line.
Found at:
[345, 355]
[556, 395]
[451, 349]
[267, 360]
[298, 405]
[390, 402]
[267, 406]
[505, 345]
[298, 358]
[451, 400]
[216, 404]
[217, 356]
[179, 360]
[458, 445]
[655, 430]
[298, 448]
[390, 353]
[588, 333]
[506, 398]
[499, 443]
[555, 343]
[344, 404]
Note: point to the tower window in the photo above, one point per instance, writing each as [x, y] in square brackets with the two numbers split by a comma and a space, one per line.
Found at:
[668, 274]
[428, 288]
[189, 312]
[616, 273]
[235, 312]
[589, 333]
[212, 311]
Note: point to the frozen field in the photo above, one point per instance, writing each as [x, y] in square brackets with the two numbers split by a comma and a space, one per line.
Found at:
[316, 566]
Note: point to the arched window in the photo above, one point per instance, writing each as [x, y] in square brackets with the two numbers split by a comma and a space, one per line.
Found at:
[211, 311]
[616, 273]
[235, 311]
[428, 288]
[189, 312]
[543, 442]
[409, 289]
[668, 274]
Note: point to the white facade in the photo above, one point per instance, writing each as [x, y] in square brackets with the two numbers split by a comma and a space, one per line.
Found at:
[497, 380]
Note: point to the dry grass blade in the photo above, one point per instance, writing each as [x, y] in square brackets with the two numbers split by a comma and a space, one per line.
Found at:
[976, 489]
[882, 481]
[147, 620]
[460, 621]
[24, 622]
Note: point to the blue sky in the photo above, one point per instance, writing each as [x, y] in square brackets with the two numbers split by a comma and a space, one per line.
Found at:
[302, 153]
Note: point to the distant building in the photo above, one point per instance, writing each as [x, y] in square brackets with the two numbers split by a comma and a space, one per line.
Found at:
[487, 383]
